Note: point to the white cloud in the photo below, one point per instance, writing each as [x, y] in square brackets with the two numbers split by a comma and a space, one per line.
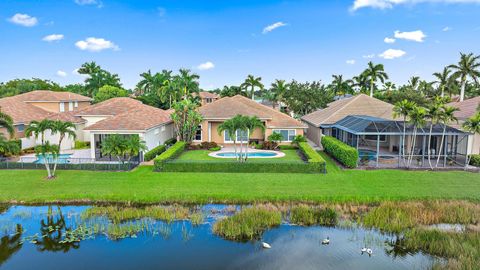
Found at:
[24, 20]
[53, 37]
[389, 40]
[392, 54]
[206, 66]
[272, 27]
[446, 29]
[385, 4]
[61, 73]
[369, 56]
[417, 36]
[350, 62]
[96, 44]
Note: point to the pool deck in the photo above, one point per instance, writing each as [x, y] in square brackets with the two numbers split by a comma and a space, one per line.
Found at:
[229, 149]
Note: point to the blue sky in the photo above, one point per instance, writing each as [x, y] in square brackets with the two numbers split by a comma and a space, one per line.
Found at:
[223, 41]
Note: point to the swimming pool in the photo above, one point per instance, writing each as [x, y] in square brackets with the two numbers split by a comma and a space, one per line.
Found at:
[62, 159]
[256, 154]
[368, 154]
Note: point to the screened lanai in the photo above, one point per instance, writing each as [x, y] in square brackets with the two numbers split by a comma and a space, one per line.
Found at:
[383, 143]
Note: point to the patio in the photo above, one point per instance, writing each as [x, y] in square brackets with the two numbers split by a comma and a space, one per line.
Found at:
[381, 143]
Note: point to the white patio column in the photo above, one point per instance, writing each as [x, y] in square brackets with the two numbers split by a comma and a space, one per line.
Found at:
[378, 148]
[92, 145]
[209, 131]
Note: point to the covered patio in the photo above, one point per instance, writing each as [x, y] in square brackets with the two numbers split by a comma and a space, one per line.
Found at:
[392, 144]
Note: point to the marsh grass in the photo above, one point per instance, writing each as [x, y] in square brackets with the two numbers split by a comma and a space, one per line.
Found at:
[463, 248]
[121, 214]
[398, 217]
[248, 224]
[308, 216]
[197, 218]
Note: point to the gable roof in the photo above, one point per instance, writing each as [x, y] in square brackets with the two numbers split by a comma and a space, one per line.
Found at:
[206, 94]
[228, 107]
[357, 105]
[51, 96]
[126, 115]
[110, 107]
[467, 108]
[20, 111]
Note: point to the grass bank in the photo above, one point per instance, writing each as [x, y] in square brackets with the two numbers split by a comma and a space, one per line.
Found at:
[145, 186]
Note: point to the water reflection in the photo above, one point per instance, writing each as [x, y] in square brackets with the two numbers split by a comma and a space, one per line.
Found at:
[52, 239]
[10, 245]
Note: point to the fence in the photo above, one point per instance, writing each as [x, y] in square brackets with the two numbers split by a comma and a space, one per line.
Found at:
[67, 163]
[273, 166]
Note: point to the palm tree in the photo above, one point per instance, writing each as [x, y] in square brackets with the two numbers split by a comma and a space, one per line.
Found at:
[89, 68]
[134, 146]
[188, 82]
[468, 66]
[413, 83]
[417, 119]
[8, 147]
[360, 83]
[389, 86]
[447, 116]
[230, 127]
[277, 90]
[373, 73]
[37, 129]
[114, 145]
[252, 123]
[63, 129]
[472, 124]
[339, 86]
[6, 122]
[443, 79]
[252, 82]
[403, 109]
[434, 112]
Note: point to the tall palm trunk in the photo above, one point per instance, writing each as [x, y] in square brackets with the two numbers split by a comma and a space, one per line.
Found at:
[443, 91]
[371, 87]
[403, 140]
[441, 145]
[56, 156]
[414, 141]
[428, 145]
[462, 90]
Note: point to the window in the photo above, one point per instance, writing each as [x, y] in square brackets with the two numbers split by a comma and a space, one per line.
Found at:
[157, 130]
[383, 138]
[62, 107]
[198, 135]
[241, 135]
[287, 134]
[70, 106]
[208, 100]
[20, 127]
[76, 104]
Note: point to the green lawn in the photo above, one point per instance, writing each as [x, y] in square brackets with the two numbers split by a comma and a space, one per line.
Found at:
[145, 186]
[290, 155]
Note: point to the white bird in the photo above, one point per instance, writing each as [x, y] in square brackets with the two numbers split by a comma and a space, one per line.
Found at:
[363, 250]
[369, 251]
[326, 241]
[266, 245]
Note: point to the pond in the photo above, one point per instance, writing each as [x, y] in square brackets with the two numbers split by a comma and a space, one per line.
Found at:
[64, 237]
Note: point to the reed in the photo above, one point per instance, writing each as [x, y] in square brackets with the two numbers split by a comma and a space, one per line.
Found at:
[248, 224]
[121, 214]
[308, 216]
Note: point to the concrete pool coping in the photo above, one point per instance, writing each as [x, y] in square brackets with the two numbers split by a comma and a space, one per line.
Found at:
[279, 154]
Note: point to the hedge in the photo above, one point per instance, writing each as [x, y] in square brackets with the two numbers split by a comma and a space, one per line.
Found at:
[310, 153]
[342, 152]
[232, 166]
[154, 152]
[171, 153]
[475, 160]
[81, 145]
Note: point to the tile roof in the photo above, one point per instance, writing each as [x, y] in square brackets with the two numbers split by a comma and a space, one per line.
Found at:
[111, 106]
[66, 117]
[357, 105]
[206, 94]
[127, 115]
[21, 111]
[228, 107]
[46, 95]
[467, 107]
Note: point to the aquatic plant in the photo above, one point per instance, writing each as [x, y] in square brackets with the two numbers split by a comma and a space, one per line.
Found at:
[247, 224]
[308, 216]
[197, 218]
[119, 214]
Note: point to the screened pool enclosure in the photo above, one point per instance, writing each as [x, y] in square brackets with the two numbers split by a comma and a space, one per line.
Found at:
[387, 143]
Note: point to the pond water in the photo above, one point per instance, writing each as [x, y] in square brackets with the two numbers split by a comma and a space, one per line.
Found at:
[45, 243]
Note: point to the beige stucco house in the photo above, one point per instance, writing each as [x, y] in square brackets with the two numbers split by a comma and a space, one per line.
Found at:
[207, 97]
[467, 109]
[225, 108]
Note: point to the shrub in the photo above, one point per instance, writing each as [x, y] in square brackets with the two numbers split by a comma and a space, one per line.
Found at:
[29, 150]
[81, 145]
[259, 146]
[287, 147]
[275, 137]
[475, 160]
[154, 152]
[216, 148]
[171, 153]
[269, 145]
[298, 139]
[310, 153]
[342, 152]
[170, 142]
[248, 224]
[208, 145]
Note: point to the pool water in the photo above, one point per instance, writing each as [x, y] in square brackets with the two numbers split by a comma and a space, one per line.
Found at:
[253, 154]
[62, 158]
[369, 154]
